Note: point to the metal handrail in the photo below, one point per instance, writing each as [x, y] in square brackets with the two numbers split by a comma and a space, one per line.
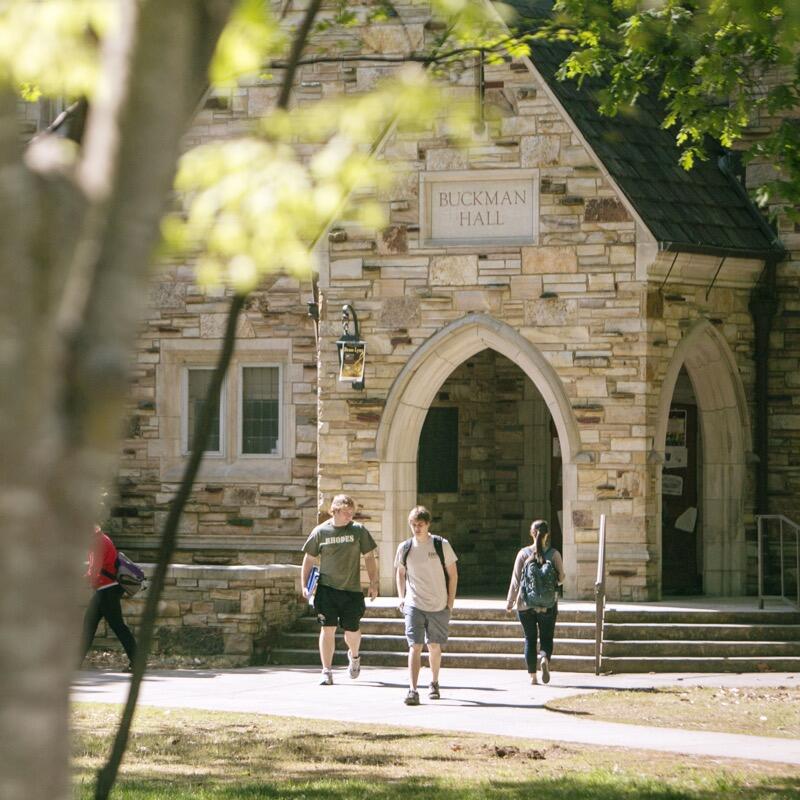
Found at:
[600, 597]
[794, 528]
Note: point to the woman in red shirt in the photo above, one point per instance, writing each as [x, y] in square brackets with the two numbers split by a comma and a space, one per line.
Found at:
[105, 603]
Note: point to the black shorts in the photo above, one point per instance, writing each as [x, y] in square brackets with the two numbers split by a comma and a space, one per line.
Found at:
[338, 607]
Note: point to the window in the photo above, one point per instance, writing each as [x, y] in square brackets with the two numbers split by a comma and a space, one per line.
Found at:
[197, 385]
[260, 411]
[247, 414]
[437, 462]
[253, 436]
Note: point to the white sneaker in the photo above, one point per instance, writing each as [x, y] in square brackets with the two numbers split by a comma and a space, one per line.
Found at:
[534, 679]
[327, 678]
[354, 665]
[544, 665]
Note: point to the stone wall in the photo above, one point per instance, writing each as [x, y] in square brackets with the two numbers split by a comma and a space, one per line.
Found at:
[601, 316]
[229, 616]
[784, 360]
[489, 516]
[575, 296]
[784, 392]
[593, 297]
[246, 511]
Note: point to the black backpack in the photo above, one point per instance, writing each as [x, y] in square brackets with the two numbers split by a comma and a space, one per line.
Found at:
[437, 545]
[539, 583]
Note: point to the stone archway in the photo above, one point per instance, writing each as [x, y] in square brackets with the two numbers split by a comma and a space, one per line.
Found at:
[407, 406]
[725, 435]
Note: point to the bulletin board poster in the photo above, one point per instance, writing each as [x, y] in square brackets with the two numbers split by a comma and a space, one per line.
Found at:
[676, 458]
[676, 428]
[672, 485]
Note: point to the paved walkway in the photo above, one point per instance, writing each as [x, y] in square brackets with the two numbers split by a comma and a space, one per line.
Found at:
[499, 703]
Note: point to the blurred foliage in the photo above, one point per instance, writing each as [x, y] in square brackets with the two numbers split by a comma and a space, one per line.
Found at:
[728, 70]
[258, 203]
[254, 205]
[51, 47]
[251, 37]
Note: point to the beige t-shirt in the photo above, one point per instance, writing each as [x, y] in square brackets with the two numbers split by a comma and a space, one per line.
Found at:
[426, 588]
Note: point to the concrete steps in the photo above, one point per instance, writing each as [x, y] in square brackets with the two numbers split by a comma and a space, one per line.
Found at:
[638, 638]
[622, 631]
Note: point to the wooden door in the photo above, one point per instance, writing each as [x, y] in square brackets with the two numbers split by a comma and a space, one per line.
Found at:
[556, 491]
[680, 562]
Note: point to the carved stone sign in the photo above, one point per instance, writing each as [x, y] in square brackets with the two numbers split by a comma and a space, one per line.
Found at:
[479, 207]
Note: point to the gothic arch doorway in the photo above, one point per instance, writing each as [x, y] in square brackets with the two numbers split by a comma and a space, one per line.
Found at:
[415, 391]
[714, 514]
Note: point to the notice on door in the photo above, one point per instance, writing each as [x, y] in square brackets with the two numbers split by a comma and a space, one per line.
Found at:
[480, 207]
[676, 428]
[672, 485]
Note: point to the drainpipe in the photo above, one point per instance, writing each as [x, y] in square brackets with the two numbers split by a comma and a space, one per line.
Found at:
[763, 305]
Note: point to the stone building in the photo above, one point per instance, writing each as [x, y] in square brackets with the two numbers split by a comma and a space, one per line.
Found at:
[559, 321]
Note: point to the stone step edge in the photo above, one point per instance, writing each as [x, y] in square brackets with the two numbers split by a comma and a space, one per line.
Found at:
[632, 618]
[682, 642]
[562, 663]
[744, 626]
[713, 626]
[730, 643]
[699, 659]
[610, 629]
[515, 657]
[371, 637]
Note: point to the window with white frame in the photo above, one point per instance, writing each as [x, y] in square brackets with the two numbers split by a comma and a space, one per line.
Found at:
[253, 431]
[259, 419]
[197, 381]
[246, 415]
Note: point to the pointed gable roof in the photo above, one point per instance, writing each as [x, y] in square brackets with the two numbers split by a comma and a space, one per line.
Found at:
[703, 210]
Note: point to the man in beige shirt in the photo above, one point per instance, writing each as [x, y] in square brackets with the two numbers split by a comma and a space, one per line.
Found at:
[427, 578]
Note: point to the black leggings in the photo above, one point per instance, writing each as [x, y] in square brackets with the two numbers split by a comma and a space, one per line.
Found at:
[543, 624]
[106, 604]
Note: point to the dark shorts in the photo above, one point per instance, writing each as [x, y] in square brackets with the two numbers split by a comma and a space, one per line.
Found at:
[338, 607]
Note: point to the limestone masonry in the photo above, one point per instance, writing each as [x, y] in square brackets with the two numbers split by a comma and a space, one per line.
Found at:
[524, 330]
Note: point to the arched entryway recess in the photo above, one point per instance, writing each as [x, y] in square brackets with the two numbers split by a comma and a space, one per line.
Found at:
[410, 398]
[725, 438]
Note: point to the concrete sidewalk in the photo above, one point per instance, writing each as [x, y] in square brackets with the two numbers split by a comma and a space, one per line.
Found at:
[499, 703]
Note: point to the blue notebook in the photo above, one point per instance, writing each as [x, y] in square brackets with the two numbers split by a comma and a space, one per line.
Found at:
[313, 580]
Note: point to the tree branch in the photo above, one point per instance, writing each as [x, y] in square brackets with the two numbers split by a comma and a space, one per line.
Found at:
[99, 312]
[108, 774]
[75, 114]
[383, 58]
[299, 43]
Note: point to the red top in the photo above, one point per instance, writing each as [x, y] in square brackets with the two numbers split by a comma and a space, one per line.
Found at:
[103, 557]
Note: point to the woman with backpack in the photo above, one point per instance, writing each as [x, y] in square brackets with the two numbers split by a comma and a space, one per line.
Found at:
[105, 602]
[538, 572]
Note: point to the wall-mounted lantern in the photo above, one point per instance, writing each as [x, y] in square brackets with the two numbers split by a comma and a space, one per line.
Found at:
[352, 351]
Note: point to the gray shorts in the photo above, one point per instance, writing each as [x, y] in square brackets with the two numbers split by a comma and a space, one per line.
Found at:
[426, 626]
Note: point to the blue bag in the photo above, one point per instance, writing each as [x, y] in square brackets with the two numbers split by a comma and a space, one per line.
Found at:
[311, 583]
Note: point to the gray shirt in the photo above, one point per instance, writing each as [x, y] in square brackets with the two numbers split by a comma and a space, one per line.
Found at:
[339, 551]
[426, 588]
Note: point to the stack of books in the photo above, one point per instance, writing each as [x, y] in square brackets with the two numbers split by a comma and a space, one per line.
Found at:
[311, 583]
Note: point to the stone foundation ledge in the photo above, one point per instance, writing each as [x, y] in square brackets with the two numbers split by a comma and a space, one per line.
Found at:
[224, 616]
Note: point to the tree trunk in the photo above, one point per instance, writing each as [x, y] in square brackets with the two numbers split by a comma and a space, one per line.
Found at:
[107, 776]
[74, 256]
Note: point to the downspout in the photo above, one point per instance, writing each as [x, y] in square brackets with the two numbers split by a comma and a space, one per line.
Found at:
[763, 306]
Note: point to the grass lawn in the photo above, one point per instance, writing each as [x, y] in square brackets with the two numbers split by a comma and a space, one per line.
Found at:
[182, 754]
[757, 711]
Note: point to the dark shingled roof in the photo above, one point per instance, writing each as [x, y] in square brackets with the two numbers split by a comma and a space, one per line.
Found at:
[700, 210]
